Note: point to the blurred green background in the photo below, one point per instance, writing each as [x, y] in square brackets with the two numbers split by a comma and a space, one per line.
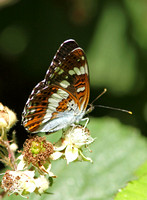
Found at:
[114, 36]
[112, 33]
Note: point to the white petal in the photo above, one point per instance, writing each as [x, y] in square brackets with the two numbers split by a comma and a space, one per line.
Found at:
[29, 185]
[71, 153]
[42, 184]
[56, 155]
[22, 164]
[59, 146]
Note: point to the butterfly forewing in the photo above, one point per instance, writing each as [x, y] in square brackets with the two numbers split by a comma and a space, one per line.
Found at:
[65, 49]
[62, 97]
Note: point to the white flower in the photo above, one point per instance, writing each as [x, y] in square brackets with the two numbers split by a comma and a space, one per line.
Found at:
[23, 182]
[18, 182]
[69, 146]
[78, 135]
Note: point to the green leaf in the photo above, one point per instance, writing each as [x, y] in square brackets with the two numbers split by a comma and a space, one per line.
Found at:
[116, 153]
[142, 170]
[135, 189]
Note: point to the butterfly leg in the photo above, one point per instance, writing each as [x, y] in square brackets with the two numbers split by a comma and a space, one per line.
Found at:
[87, 120]
[73, 126]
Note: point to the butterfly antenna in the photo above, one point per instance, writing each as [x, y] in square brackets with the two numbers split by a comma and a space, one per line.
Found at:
[112, 108]
[108, 107]
[104, 91]
[90, 109]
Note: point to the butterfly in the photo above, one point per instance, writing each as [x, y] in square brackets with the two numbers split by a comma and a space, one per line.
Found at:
[61, 99]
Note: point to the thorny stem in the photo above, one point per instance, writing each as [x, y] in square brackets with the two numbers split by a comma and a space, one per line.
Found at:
[11, 156]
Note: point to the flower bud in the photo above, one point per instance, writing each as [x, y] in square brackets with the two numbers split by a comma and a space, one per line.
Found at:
[13, 147]
[7, 117]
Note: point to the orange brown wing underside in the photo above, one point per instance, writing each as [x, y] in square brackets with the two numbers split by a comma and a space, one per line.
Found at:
[69, 70]
[40, 106]
[68, 73]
